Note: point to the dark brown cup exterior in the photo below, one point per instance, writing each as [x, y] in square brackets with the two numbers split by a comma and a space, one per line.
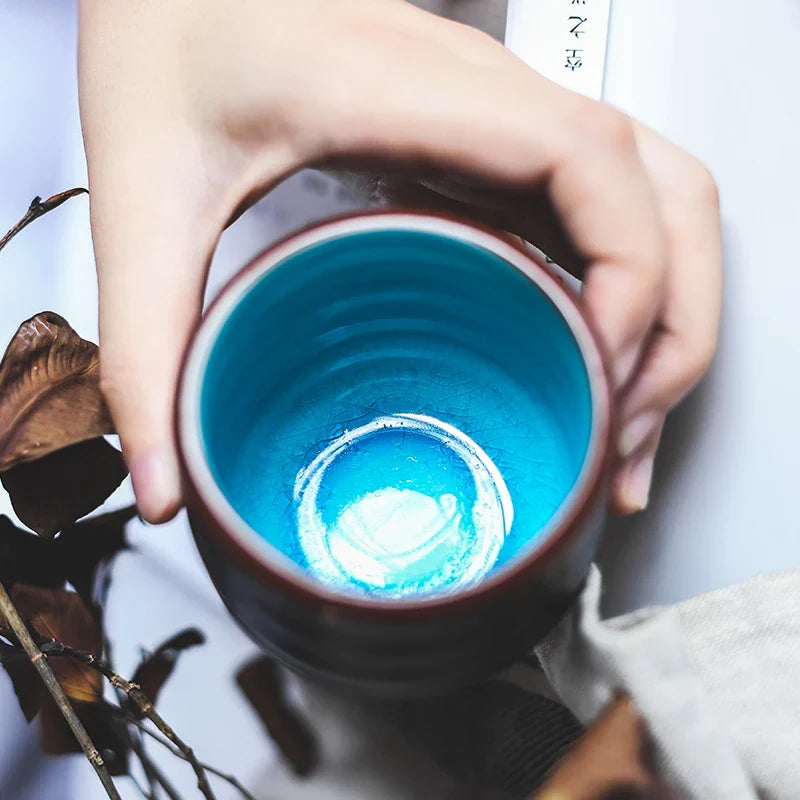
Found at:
[406, 648]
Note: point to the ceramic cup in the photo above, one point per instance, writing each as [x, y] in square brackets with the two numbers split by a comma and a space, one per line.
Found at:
[394, 430]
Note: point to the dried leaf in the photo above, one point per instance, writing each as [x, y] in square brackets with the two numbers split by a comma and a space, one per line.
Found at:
[104, 727]
[81, 548]
[29, 559]
[52, 492]
[155, 668]
[611, 760]
[103, 724]
[26, 558]
[76, 555]
[50, 394]
[262, 685]
[26, 682]
[62, 615]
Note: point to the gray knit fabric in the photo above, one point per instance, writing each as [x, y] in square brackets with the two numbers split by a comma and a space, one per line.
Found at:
[717, 677]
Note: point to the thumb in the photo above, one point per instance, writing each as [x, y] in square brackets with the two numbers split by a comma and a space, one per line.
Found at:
[152, 249]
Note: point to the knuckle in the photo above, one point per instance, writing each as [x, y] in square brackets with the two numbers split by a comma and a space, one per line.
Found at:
[699, 358]
[475, 38]
[688, 188]
[603, 125]
[654, 255]
[702, 184]
[647, 254]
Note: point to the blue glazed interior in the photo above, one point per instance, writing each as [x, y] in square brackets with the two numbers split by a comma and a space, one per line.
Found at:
[398, 412]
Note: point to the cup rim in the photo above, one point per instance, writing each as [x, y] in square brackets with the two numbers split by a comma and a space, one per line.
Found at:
[264, 560]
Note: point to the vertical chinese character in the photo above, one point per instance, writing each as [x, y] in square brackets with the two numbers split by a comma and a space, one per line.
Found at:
[574, 59]
[575, 30]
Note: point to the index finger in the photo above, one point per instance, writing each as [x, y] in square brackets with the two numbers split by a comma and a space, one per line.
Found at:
[459, 101]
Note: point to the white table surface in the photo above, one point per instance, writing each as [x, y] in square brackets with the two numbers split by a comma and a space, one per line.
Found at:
[723, 81]
[719, 79]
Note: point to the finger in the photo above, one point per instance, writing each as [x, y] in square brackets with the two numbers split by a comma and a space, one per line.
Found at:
[528, 215]
[482, 117]
[150, 239]
[154, 239]
[152, 251]
[682, 349]
[630, 485]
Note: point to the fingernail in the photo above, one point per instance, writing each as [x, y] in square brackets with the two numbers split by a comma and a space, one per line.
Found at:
[156, 484]
[637, 485]
[637, 432]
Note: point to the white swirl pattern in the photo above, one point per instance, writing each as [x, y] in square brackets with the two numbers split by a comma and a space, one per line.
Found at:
[397, 540]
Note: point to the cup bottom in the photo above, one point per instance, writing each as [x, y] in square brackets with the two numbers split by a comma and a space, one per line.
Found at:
[405, 504]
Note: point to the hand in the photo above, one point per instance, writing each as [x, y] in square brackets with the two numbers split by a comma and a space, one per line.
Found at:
[191, 111]
[682, 343]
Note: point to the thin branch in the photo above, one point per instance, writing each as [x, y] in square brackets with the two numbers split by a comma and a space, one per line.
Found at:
[166, 743]
[136, 741]
[52, 647]
[146, 793]
[154, 774]
[39, 662]
[146, 707]
[38, 208]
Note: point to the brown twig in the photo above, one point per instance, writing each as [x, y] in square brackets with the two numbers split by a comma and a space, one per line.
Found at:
[147, 794]
[136, 742]
[39, 662]
[154, 774]
[146, 707]
[155, 777]
[231, 779]
[51, 647]
[39, 208]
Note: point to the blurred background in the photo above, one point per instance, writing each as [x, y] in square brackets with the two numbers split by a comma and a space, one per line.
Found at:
[720, 80]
